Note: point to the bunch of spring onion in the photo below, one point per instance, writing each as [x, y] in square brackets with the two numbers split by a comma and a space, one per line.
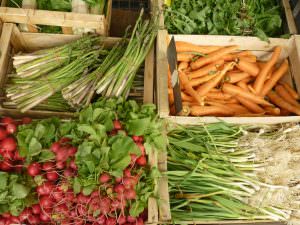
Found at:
[220, 172]
[117, 81]
[80, 92]
[41, 74]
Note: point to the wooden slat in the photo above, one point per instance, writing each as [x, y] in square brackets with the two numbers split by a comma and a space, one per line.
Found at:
[5, 49]
[53, 18]
[149, 77]
[3, 3]
[108, 16]
[228, 222]
[17, 40]
[289, 17]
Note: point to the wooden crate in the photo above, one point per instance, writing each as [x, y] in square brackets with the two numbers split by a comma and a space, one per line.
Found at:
[66, 20]
[12, 40]
[291, 49]
[289, 22]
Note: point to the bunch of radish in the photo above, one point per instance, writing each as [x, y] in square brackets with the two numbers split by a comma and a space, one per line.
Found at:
[11, 159]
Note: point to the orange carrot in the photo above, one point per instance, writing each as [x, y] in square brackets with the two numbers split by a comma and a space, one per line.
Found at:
[209, 69]
[247, 54]
[188, 87]
[208, 110]
[171, 96]
[276, 99]
[218, 95]
[182, 46]
[290, 90]
[186, 97]
[248, 67]
[224, 106]
[190, 103]
[238, 109]
[169, 78]
[284, 112]
[283, 93]
[261, 64]
[182, 66]
[274, 111]
[223, 101]
[253, 107]
[214, 56]
[251, 89]
[251, 115]
[236, 77]
[234, 90]
[250, 58]
[243, 85]
[275, 77]
[201, 80]
[185, 57]
[205, 88]
[261, 78]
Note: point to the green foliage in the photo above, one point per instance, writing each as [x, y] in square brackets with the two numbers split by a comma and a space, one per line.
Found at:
[260, 18]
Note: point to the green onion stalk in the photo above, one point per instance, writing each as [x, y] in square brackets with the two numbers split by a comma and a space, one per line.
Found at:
[118, 80]
[29, 93]
[80, 92]
[39, 63]
[54, 103]
[214, 173]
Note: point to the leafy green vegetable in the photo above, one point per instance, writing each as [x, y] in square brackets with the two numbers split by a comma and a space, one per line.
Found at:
[260, 18]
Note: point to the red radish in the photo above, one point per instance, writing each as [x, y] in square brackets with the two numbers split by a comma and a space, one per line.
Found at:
[118, 179]
[111, 221]
[36, 209]
[73, 165]
[128, 182]
[133, 157]
[69, 196]
[65, 140]
[82, 210]
[117, 125]
[6, 165]
[45, 189]
[7, 120]
[141, 139]
[72, 151]
[131, 219]
[73, 213]
[68, 173]
[33, 219]
[140, 221]
[34, 169]
[141, 161]
[95, 194]
[52, 175]
[3, 133]
[6, 215]
[48, 166]
[135, 138]
[58, 195]
[14, 220]
[119, 188]
[24, 215]
[11, 128]
[26, 120]
[82, 199]
[63, 209]
[45, 217]
[17, 156]
[101, 219]
[105, 206]
[62, 154]
[130, 194]
[9, 144]
[121, 219]
[46, 202]
[60, 165]
[127, 173]
[78, 222]
[142, 148]
[104, 178]
[55, 147]
[7, 155]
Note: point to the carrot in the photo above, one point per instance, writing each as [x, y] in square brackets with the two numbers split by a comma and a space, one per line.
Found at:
[172, 110]
[214, 56]
[169, 78]
[284, 112]
[248, 67]
[171, 96]
[276, 99]
[243, 85]
[208, 110]
[251, 89]
[218, 95]
[261, 78]
[211, 68]
[238, 109]
[201, 80]
[253, 107]
[261, 64]
[290, 90]
[182, 66]
[224, 106]
[182, 46]
[274, 111]
[223, 101]
[190, 103]
[247, 54]
[251, 115]
[205, 88]
[250, 58]
[188, 87]
[236, 77]
[283, 93]
[234, 90]
[185, 57]
[275, 77]
[186, 97]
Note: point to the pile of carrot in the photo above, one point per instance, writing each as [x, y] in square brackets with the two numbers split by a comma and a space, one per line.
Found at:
[223, 81]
